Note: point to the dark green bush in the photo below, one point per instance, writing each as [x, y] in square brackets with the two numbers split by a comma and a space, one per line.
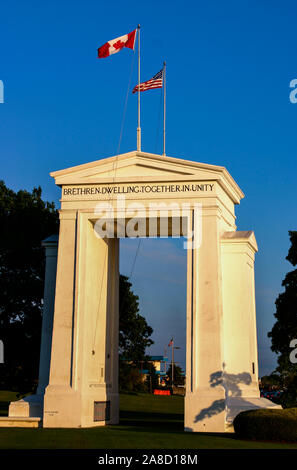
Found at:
[267, 425]
[288, 399]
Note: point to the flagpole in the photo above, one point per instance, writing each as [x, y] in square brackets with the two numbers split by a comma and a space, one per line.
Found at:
[164, 107]
[138, 127]
[172, 367]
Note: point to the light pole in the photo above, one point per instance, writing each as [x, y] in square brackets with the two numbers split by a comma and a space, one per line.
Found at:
[172, 358]
[173, 348]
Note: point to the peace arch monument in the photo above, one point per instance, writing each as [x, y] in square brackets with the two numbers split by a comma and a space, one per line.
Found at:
[78, 377]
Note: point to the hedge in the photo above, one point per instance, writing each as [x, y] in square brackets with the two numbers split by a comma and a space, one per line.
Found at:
[267, 425]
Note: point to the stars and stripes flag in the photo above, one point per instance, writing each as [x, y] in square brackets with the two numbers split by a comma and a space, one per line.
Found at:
[115, 45]
[155, 82]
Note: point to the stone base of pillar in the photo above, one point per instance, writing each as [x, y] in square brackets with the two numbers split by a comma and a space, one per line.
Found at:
[205, 411]
[215, 413]
[62, 408]
[71, 409]
[28, 407]
[99, 407]
[234, 406]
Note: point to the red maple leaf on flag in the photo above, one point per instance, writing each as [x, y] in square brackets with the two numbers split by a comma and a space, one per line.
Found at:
[115, 45]
[118, 45]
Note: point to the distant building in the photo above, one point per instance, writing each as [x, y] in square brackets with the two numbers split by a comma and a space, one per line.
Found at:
[160, 364]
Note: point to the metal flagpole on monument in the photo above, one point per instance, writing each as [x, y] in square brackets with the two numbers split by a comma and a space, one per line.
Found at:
[138, 127]
[164, 107]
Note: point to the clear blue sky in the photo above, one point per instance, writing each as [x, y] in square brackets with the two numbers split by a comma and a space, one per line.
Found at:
[229, 65]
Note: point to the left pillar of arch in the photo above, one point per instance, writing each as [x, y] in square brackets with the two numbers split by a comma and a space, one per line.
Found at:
[60, 399]
[32, 405]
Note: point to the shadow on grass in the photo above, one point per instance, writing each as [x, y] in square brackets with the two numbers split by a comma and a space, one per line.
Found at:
[161, 422]
[157, 422]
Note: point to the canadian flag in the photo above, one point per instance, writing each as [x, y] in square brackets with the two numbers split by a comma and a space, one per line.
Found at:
[115, 45]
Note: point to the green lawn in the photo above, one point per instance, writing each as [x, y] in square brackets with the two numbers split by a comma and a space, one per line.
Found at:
[146, 422]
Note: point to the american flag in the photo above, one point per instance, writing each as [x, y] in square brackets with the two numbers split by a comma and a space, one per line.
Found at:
[155, 82]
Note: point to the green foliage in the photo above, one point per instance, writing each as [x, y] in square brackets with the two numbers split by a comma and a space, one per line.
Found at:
[134, 336]
[130, 378]
[292, 254]
[25, 220]
[178, 376]
[152, 381]
[285, 328]
[267, 424]
[272, 381]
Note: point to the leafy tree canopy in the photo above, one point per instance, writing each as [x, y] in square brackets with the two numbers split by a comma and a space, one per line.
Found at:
[178, 376]
[25, 220]
[135, 333]
[285, 328]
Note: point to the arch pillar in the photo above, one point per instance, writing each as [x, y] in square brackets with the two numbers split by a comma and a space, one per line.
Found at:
[205, 396]
[32, 405]
[51, 252]
[82, 390]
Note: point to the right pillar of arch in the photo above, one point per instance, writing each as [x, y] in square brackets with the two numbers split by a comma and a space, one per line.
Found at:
[222, 359]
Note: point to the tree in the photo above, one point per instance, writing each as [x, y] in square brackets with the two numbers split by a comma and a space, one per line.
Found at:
[152, 379]
[134, 338]
[130, 378]
[178, 376]
[135, 333]
[285, 328]
[270, 382]
[25, 220]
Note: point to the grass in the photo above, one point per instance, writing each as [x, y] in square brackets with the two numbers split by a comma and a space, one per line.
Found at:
[146, 422]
